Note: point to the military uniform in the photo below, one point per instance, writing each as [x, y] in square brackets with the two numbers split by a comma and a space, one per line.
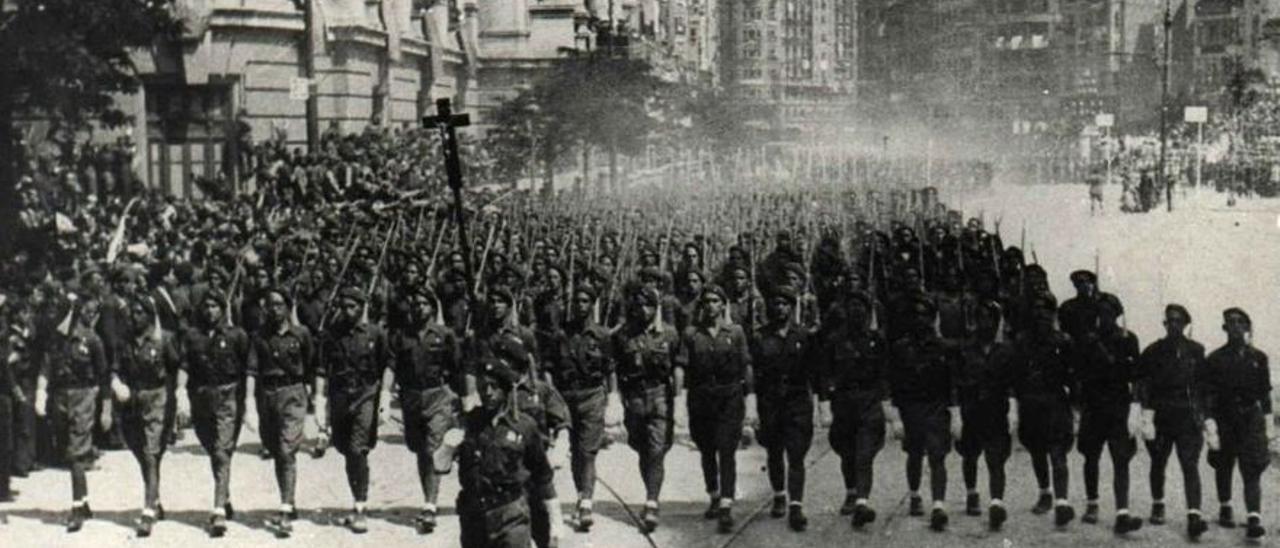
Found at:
[147, 363]
[982, 389]
[786, 379]
[282, 365]
[426, 365]
[76, 369]
[354, 361]
[857, 381]
[1040, 374]
[921, 388]
[216, 361]
[717, 365]
[580, 365]
[1238, 399]
[1170, 375]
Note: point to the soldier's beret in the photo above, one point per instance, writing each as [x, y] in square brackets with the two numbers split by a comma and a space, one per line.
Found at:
[1178, 309]
[503, 294]
[1083, 276]
[651, 273]
[511, 349]
[587, 290]
[785, 292]
[422, 292]
[645, 296]
[500, 372]
[1237, 313]
[794, 268]
[1111, 301]
[127, 273]
[214, 294]
[714, 289]
[266, 294]
[1036, 271]
[351, 294]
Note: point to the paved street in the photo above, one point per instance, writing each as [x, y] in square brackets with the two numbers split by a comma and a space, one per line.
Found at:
[187, 489]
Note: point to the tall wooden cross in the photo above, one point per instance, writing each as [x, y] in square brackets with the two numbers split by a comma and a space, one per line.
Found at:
[446, 122]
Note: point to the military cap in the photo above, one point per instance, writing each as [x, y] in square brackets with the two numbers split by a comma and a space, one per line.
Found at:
[646, 296]
[127, 273]
[1236, 313]
[422, 292]
[266, 293]
[214, 294]
[794, 268]
[784, 291]
[500, 372]
[1111, 301]
[651, 273]
[585, 289]
[1083, 276]
[1036, 271]
[350, 293]
[503, 294]
[510, 348]
[716, 290]
[1178, 309]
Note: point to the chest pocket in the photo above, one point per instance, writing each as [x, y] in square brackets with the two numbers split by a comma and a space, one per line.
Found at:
[222, 354]
[286, 353]
[586, 356]
[502, 456]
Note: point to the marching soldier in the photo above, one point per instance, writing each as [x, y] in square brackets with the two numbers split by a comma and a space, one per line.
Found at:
[355, 359]
[217, 356]
[283, 366]
[1239, 422]
[1170, 374]
[923, 395]
[426, 365]
[76, 368]
[786, 380]
[717, 370]
[982, 387]
[644, 351]
[855, 373]
[1040, 374]
[146, 362]
[499, 455]
[582, 370]
[1105, 366]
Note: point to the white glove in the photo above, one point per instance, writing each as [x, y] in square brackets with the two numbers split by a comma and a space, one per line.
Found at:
[1211, 434]
[42, 402]
[384, 406]
[893, 420]
[556, 517]
[1013, 416]
[183, 402]
[957, 422]
[104, 419]
[559, 452]
[613, 413]
[824, 414]
[752, 418]
[120, 389]
[442, 459]
[1148, 424]
[469, 402]
[1134, 422]
[680, 412]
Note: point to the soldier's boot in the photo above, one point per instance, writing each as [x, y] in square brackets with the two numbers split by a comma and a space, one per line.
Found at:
[1063, 514]
[281, 524]
[1126, 523]
[1226, 518]
[1157, 514]
[724, 523]
[862, 515]
[996, 516]
[797, 519]
[938, 520]
[357, 522]
[1196, 526]
[971, 505]
[144, 524]
[230, 510]
[649, 518]
[426, 521]
[585, 519]
[217, 525]
[159, 512]
[779, 507]
[850, 504]
[1090, 513]
[1254, 530]
[917, 505]
[713, 510]
[76, 519]
[1043, 504]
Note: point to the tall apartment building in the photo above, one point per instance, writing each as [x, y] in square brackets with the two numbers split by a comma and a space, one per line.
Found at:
[792, 62]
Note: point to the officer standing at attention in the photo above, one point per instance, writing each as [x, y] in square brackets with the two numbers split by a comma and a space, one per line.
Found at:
[1170, 376]
[355, 358]
[1239, 422]
[500, 451]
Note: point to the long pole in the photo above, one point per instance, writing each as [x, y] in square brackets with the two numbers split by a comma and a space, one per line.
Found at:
[1199, 152]
[1107, 151]
[1164, 107]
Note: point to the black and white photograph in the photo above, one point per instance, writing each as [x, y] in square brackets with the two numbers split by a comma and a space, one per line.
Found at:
[639, 273]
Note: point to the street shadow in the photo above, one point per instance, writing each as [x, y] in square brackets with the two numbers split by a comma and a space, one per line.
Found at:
[125, 519]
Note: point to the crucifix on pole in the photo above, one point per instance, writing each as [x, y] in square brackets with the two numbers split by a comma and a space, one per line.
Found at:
[446, 122]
